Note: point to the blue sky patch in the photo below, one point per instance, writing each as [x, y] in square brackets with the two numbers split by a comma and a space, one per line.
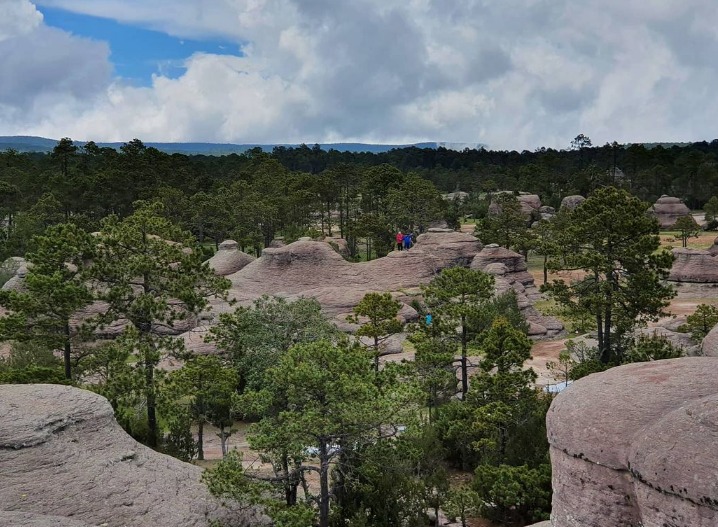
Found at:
[136, 52]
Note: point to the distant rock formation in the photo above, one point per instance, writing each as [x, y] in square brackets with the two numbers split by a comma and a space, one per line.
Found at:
[510, 272]
[694, 265]
[637, 445]
[229, 259]
[63, 455]
[571, 202]
[667, 210]
[530, 203]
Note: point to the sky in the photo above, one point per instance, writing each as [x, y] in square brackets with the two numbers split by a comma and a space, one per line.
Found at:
[516, 74]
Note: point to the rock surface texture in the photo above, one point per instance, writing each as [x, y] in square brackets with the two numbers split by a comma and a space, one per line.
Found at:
[637, 446]
[229, 259]
[571, 202]
[667, 210]
[65, 462]
[694, 265]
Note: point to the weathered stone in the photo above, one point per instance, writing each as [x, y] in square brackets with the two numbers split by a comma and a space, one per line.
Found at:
[63, 454]
[229, 259]
[667, 210]
[694, 265]
[571, 202]
[709, 345]
[637, 445]
[28, 519]
[492, 253]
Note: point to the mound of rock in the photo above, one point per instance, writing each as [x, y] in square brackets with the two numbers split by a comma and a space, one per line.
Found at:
[65, 456]
[694, 265]
[529, 203]
[229, 259]
[637, 445]
[667, 210]
[713, 249]
[571, 202]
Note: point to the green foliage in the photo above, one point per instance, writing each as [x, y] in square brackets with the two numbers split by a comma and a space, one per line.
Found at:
[701, 321]
[198, 393]
[54, 289]
[687, 228]
[711, 209]
[454, 297]
[505, 224]
[513, 494]
[326, 397]
[645, 348]
[255, 338]
[462, 502]
[151, 274]
[377, 314]
[415, 204]
[391, 482]
[616, 244]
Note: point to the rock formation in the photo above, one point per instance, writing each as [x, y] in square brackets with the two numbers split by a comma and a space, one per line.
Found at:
[510, 272]
[667, 210]
[637, 445]
[229, 259]
[709, 345]
[571, 202]
[18, 266]
[694, 265]
[63, 455]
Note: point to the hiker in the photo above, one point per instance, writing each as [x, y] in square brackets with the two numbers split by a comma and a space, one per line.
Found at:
[428, 319]
[399, 241]
[407, 241]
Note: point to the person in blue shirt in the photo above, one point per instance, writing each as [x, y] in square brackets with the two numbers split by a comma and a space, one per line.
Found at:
[428, 318]
[407, 241]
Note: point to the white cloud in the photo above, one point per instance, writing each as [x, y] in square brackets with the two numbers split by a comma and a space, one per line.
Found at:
[511, 74]
[19, 17]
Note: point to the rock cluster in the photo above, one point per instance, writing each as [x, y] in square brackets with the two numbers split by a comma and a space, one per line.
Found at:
[637, 445]
[667, 210]
[510, 272]
[65, 462]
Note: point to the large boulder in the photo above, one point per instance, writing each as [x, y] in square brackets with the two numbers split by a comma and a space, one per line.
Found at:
[694, 265]
[229, 259]
[64, 455]
[571, 202]
[667, 210]
[637, 445]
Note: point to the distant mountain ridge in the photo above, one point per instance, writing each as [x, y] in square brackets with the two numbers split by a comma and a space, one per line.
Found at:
[41, 144]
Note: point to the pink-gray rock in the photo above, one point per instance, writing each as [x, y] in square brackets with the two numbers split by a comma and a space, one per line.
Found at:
[709, 344]
[229, 259]
[637, 445]
[694, 265]
[713, 249]
[529, 203]
[493, 253]
[571, 202]
[27, 519]
[63, 454]
[667, 210]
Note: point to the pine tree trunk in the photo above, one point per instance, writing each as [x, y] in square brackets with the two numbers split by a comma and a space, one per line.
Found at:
[200, 440]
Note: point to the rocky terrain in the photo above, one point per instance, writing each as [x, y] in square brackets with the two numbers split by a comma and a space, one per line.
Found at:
[67, 463]
[636, 445]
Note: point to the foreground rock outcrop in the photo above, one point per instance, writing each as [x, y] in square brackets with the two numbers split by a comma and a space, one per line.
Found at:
[63, 455]
[637, 445]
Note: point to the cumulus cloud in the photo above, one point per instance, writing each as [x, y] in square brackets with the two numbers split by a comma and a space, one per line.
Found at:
[510, 74]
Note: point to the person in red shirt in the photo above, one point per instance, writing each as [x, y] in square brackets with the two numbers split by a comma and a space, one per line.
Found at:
[399, 241]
